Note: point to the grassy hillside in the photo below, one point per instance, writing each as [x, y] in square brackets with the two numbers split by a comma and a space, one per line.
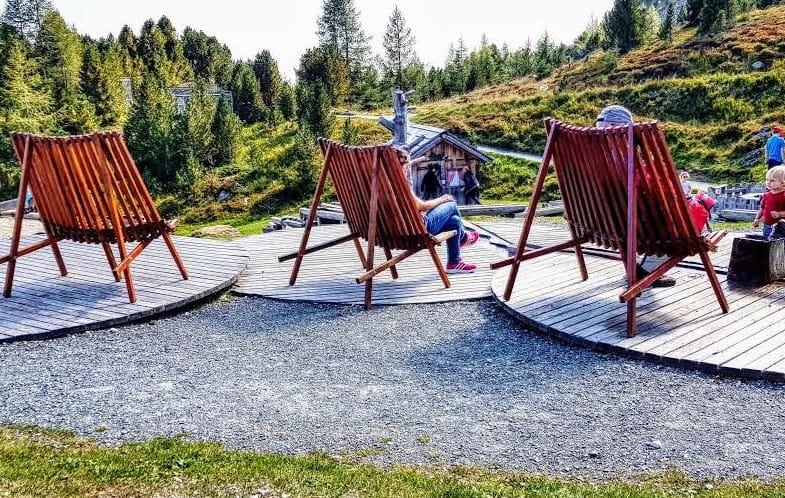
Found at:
[712, 103]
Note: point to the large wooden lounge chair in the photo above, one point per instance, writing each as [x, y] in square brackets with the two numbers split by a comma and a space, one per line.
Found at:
[86, 189]
[378, 207]
[621, 191]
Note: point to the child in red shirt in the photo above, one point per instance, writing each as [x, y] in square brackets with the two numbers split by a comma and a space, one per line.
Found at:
[772, 206]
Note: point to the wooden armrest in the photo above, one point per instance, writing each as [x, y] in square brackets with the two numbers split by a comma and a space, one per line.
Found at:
[441, 237]
[714, 238]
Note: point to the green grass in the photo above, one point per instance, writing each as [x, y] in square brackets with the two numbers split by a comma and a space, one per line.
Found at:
[41, 462]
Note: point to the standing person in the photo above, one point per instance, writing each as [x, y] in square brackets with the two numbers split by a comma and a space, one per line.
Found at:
[772, 206]
[441, 215]
[471, 187]
[684, 176]
[430, 185]
[616, 115]
[774, 146]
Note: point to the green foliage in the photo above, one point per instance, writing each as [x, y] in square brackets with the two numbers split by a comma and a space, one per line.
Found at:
[398, 46]
[26, 16]
[247, 97]
[57, 464]
[226, 128]
[266, 70]
[210, 60]
[24, 99]
[341, 33]
[626, 25]
[313, 108]
[151, 134]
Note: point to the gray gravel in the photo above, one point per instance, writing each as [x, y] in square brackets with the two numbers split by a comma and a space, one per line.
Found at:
[457, 383]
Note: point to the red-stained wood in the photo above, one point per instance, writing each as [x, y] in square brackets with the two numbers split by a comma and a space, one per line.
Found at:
[621, 191]
[87, 189]
[379, 208]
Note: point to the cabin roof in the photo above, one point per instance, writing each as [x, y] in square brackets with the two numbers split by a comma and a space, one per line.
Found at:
[422, 138]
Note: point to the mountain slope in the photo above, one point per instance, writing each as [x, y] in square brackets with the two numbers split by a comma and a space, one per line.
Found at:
[704, 89]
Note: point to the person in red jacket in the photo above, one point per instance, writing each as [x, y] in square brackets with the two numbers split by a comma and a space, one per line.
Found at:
[772, 206]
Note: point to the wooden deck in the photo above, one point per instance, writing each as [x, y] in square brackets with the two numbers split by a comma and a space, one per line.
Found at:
[328, 276]
[681, 326]
[43, 304]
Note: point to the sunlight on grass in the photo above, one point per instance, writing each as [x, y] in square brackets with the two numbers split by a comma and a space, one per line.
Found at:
[42, 462]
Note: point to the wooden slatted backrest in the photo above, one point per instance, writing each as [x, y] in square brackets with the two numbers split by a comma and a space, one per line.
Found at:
[398, 223]
[84, 186]
[592, 170]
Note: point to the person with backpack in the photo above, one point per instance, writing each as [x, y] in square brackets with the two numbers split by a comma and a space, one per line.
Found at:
[700, 206]
[774, 146]
[471, 187]
[430, 185]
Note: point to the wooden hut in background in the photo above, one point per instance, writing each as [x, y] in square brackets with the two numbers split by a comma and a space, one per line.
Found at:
[449, 156]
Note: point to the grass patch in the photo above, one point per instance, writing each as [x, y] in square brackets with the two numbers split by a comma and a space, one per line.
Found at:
[41, 462]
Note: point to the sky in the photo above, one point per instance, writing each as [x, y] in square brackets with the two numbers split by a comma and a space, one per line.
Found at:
[288, 27]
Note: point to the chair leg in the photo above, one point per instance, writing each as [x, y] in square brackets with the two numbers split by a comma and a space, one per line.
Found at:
[111, 260]
[581, 262]
[175, 255]
[59, 258]
[631, 325]
[715, 282]
[369, 282]
[393, 269]
[439, 266]
[129, 281]
[360, 253]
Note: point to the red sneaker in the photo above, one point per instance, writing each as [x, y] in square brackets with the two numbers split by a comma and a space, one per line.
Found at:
[461, 267]
[469, 238]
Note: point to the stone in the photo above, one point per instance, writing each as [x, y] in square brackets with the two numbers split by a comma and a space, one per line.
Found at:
[655, 444]
[217, 231]
[758, 65]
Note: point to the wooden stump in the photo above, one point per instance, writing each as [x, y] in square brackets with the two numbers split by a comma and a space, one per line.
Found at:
[756, 260]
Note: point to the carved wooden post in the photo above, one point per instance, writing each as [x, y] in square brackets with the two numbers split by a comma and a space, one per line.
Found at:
[401, 120]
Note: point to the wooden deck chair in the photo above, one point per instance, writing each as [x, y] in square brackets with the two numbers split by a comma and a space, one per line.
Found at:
[378, 206]
[86, 189]
[621, 191]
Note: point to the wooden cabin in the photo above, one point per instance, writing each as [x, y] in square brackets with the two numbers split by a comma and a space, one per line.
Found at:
[444, 153]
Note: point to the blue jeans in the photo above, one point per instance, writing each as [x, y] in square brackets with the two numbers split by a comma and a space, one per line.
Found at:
[443, 218]
[767, 229]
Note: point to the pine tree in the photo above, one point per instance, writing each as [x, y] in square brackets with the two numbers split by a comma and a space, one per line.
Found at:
[59, 50]
[150, 133]
[209, 59]
[693, 11]
[715, 16]
[288, 105]
[226, 128]
[266, 70]
[247, 97]
[625, 25]
[398, 48]
[24, 99]
[313, 108]
[193, 135]
[26, 16]
[323, 66]
[666, 28]
[339, 29]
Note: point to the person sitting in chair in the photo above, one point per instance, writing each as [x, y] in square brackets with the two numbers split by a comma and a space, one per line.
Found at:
[616, 115]
[440, 215]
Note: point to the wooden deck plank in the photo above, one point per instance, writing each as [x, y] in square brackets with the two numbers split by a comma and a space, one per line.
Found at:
[44, 304]
[682, 325]
[328, 276]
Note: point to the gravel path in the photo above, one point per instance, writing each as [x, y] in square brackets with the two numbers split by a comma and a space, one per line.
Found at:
[456, 383]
